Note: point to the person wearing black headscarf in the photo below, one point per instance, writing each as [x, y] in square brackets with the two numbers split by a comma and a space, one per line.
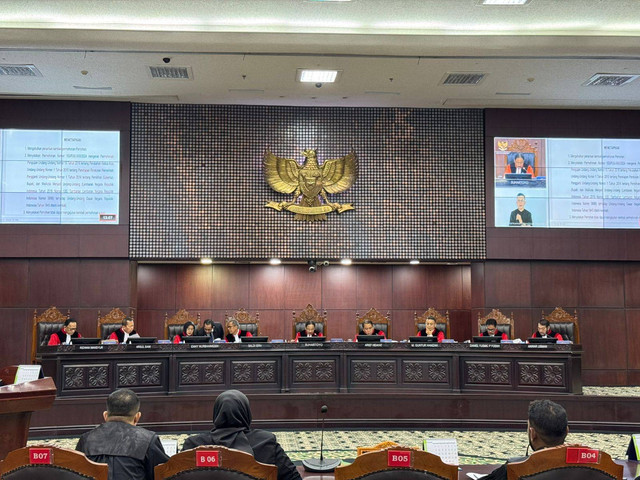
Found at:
[187, 330]
[231, 428]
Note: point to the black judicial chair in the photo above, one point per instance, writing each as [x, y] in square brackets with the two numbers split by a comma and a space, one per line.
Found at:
[375, 466]
[380, 322]
[505, 324]
[551, 464]
[233, 465]
[44, 325]
[309, 313]
[248, 323]
[66, 465]
[442, 321]
[564, 323]
[173, 326]
[110, 322]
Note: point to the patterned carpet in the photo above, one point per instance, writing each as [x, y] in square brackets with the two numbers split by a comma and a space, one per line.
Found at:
[474, 446]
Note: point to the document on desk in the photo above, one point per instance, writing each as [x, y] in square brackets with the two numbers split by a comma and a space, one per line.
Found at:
[476, 476]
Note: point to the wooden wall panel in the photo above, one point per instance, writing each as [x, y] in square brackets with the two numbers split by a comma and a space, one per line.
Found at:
[338, 287]
[13, 283]
[600, 329]
[554, 284]
[54, 282]
[341, 324]
[194, 286]
[508, 284]
[16, 348]
[104, 283]
[266, 287]
[632, 285]
[445, 286]
[633, 334]
[601, 285]
[462, 325]
[373, 287]
[301, 288]
[156, 287]
[230, 287]
[150, 323]
[410, 287]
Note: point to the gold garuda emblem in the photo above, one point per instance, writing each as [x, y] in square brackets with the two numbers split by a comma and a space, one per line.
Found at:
[502, 146]
[310, 183]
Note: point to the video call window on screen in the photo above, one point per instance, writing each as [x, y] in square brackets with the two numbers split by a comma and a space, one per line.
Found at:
[567, 182]
[59, 176]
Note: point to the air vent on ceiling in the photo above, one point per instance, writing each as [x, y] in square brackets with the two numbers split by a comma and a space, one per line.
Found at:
[462, 78]
[171, 73]
[20, 70]
[610, 80]
[80, 87]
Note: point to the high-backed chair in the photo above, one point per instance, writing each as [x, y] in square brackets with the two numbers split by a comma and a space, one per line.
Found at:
[247, 322]
[44, 326]
[232, 465]
[109, 323]
[442, 321]
[173, 326]
[564, 323]
[381, 322]
[375, 448]
[551, 464]
[309, 313]
[375, 466]
[505, 324]
[65, 465]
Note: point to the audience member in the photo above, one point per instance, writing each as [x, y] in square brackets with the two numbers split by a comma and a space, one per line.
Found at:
[211, 329]
[231, 428]
[67, 333]
[368, 329]
[309, 330]
[492, 330]
[544, 330]
[131, 452]
[547, 427]
[187, 330]
[122, 334]
[430, 329]
[234, 334]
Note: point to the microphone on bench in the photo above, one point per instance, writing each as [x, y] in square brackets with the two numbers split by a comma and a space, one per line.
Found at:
[321, 465]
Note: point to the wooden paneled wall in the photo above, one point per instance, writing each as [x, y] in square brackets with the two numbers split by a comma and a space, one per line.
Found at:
[275, 291]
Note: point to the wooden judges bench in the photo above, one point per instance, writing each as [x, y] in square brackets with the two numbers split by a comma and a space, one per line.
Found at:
[347, 367]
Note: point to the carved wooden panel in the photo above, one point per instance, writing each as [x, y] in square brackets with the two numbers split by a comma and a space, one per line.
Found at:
[314, 371]
[201, 373]
[379, 371]
[487, 372]
[425, 371]
[547, 374]
[139, 374]
[264, 371]
[85, 376]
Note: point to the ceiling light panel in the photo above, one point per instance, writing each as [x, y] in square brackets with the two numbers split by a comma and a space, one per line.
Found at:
[504, 2]
[317, 76]
[20, 71]
[610, 80]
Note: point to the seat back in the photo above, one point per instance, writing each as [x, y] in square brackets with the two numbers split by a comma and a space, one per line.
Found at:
[110, 322]
[381, 322]
[44, 326]
[309, 313]
[564, 323]
[505, 324]
[232, 465]
[551, 464]
[442, 321]
[65, 465]
[247, 322]
[375, 466]
[173, 326]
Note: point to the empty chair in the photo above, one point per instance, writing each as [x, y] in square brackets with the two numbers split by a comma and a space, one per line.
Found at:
[58, 464]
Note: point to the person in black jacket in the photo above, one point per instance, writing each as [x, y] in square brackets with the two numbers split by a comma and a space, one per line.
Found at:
[231, 428]
[131, 452]
[211, 329]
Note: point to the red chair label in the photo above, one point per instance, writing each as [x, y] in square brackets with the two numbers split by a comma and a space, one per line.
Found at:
[40, 455]
[398, 458]
[582, 455]
[207, 458]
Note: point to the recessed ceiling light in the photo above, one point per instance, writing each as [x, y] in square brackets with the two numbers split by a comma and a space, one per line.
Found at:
[317, 76]
[275, 261]
[415, 262]
[345, 261]
[504, 2]
[206, 261]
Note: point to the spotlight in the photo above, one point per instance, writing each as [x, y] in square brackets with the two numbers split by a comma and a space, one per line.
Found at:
[313, 266]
